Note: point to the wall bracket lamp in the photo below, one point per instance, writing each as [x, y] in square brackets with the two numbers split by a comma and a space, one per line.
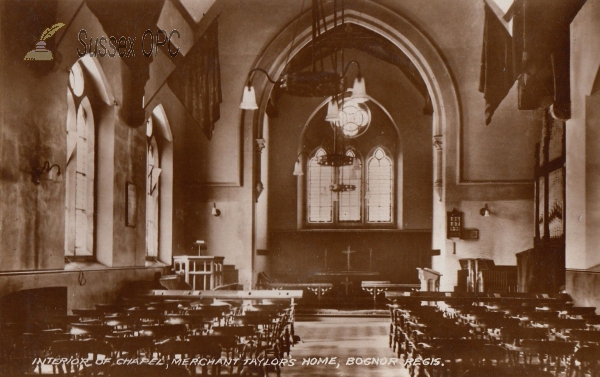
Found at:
[485, 211]
[310, 84]
[47, 172]
[298, 170]
[215, 211]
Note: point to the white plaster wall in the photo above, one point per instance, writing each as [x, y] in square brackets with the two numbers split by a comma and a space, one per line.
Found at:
[582, 236]
[508, 230]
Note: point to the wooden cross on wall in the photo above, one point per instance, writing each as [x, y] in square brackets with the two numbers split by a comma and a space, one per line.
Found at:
[348, 252]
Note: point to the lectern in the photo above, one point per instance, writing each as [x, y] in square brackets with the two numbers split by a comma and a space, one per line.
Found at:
[207, 269]
[430, 279]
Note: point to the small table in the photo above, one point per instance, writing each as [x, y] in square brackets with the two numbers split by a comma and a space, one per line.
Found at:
[210, 268]
[345, 275]
[377, 287]
[318, 289]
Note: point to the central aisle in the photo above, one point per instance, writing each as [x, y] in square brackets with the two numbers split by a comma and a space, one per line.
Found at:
[343, 338]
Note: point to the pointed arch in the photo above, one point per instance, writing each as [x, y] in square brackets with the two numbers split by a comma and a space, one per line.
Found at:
[89, 166]
[161, 123]
[80, 173]
[380, 187]
[99, 80]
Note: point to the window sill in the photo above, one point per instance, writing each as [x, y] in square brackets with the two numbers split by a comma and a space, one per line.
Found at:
[84, 265]
[80, 266]
[155, 263]
[351, 230]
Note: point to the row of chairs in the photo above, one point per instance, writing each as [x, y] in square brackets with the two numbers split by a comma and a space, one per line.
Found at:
[521, 338]
[141, 357]
[164, 331]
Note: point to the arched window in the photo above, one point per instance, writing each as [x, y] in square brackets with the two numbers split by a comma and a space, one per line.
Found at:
[159, 188]
[153, 171]
[80, 170]
[340, 195]
[380, 187]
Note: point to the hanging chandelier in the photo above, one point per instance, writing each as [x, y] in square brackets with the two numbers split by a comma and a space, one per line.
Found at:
[316, 82]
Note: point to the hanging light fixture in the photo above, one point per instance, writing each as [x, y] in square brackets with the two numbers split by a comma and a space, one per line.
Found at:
[338, 157]
[359, 90]
[317, 82]
[249, 98]
[298, 165]
[333, 111]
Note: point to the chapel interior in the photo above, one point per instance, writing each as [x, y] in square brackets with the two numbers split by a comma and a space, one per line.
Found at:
[354, 154]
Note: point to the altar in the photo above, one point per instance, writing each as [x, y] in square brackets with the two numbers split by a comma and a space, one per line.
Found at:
[347, 276]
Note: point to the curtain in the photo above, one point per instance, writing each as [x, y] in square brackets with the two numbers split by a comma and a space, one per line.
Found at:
[537, 53]
[543, 33]
[498, 72]
[197, 81]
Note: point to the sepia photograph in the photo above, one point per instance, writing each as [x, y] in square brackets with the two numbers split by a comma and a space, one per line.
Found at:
[353, 188]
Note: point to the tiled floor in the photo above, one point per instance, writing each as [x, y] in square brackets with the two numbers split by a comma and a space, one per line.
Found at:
[343, 338]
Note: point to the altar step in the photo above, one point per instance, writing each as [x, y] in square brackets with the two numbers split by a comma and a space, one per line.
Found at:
[307, 314]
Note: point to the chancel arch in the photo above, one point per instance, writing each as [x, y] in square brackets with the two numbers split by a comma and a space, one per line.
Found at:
[445, 121]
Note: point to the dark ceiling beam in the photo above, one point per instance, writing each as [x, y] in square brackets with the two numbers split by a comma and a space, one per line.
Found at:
[351, 36]
[131, 19]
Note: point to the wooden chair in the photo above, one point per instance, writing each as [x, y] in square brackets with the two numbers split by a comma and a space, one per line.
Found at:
[550, 354]
[170, 351]
[584, 337]
[586, 362]
[109, 308]
[244, 334]
[166, 307]
[232, 348]
[79, 350]
[58, 322]
[37, 345]
[145, 316]
[457, 356]
[147, 371]
[89, 330]
[160, 333]
[512, 339]
[120, 323]
[88, 314]
[131, 347]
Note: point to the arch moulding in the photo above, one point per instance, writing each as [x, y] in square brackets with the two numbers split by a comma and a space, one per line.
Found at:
[411, 41]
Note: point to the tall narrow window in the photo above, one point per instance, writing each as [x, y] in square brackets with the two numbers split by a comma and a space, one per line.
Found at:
[380, 187]
[320, 199]
[89, 168]
[153, 171]
[350, 202]
[80, 173]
